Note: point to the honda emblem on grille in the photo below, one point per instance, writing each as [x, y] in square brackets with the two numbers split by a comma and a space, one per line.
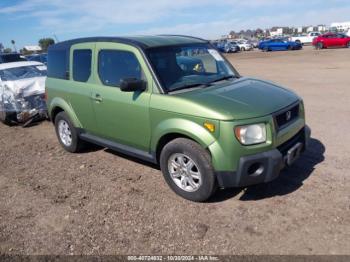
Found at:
[288, 115]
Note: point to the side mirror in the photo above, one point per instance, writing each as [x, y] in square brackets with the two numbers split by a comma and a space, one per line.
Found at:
[132, 85]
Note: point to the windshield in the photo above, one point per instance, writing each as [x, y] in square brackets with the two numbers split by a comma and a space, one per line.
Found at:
[181, 67]
[17, 73]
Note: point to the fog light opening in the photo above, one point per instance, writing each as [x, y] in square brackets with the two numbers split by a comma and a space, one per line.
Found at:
[255, 169]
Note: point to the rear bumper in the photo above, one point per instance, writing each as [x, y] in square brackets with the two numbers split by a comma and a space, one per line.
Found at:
[264, 167]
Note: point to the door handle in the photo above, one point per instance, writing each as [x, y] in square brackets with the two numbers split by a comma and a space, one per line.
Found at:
[97, 98]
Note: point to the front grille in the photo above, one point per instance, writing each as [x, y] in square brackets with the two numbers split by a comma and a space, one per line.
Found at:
[298, 138]
[287, 116]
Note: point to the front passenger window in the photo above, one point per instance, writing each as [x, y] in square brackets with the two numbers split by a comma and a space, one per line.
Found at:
[115, 65]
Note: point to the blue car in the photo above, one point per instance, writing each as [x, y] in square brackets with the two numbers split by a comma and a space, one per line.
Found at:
[42, 58]
[279, 44]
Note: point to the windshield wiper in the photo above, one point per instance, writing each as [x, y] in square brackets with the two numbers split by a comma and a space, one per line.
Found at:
[223, 78]
[189, 86]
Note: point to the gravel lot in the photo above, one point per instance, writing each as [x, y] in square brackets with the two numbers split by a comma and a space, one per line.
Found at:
[100, 202]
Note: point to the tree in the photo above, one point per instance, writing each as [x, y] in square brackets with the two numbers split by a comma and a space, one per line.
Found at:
[44, 43]
[7, 50]
[14, 45]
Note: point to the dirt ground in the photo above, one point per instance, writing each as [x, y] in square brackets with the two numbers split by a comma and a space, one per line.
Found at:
[100, 202]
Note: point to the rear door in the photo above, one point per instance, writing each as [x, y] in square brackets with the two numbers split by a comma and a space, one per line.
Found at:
[80, 85]
[122, 117]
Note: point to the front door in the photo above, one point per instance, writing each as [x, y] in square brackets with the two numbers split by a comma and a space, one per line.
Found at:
[122, 117]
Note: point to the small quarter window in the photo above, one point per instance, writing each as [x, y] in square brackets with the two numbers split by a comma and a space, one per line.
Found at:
[115, 65]
[82, 65]
[57, 64]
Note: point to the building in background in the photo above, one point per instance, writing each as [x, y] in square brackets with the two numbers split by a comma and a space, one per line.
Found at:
[322, 28]
[31, 49]
[342, 27]
[279, 31]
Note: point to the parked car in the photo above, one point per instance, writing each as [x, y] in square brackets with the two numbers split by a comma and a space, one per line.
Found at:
[254, 43]
[227, 47]
[42, 58]
[205, 129]
[22, 88]
[331, 40]
[279, 44]
[11, 57]
[305, 39]
[190, 64]
[245, 46]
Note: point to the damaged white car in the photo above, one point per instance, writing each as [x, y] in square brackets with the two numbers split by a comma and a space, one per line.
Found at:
[22, 92]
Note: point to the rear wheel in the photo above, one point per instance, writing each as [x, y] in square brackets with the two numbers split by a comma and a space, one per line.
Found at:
[266, 49]
[348, 45]
[242, 49]
[67, 134]
[187, 169]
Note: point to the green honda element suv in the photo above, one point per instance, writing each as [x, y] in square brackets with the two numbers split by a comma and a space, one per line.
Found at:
[177, 102]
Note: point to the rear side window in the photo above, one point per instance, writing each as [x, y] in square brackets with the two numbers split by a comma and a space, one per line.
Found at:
[82, 65]
[57, 64]
[114, 65]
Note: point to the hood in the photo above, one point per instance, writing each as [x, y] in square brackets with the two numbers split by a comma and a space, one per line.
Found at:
[25, 87]
[244, 98]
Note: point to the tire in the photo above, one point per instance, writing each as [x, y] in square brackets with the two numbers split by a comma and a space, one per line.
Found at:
[319, 46]
[290, 48]
[266, 49]
[298, 41]
[242, 49]
[6, 117]
[70, 140]
[199, 187]
[348, 45]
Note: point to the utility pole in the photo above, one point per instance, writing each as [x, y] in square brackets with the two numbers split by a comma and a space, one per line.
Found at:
[54, 35]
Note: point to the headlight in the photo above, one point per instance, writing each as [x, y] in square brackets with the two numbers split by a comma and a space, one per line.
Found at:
[251, 134]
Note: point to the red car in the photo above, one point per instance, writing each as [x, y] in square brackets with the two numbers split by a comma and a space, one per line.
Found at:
[331, 40]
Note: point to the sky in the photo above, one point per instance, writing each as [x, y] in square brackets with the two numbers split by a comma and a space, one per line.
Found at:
[26, 21]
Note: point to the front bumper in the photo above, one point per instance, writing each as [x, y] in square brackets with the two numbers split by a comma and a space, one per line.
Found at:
[265, 167]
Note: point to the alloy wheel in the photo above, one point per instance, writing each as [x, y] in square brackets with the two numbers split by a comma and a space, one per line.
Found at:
[184, 172]
[64, 133]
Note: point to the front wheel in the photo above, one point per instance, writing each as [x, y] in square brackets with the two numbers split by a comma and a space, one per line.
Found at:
[319, 46]
[187, 169]
[7, 118]
[348, 45]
